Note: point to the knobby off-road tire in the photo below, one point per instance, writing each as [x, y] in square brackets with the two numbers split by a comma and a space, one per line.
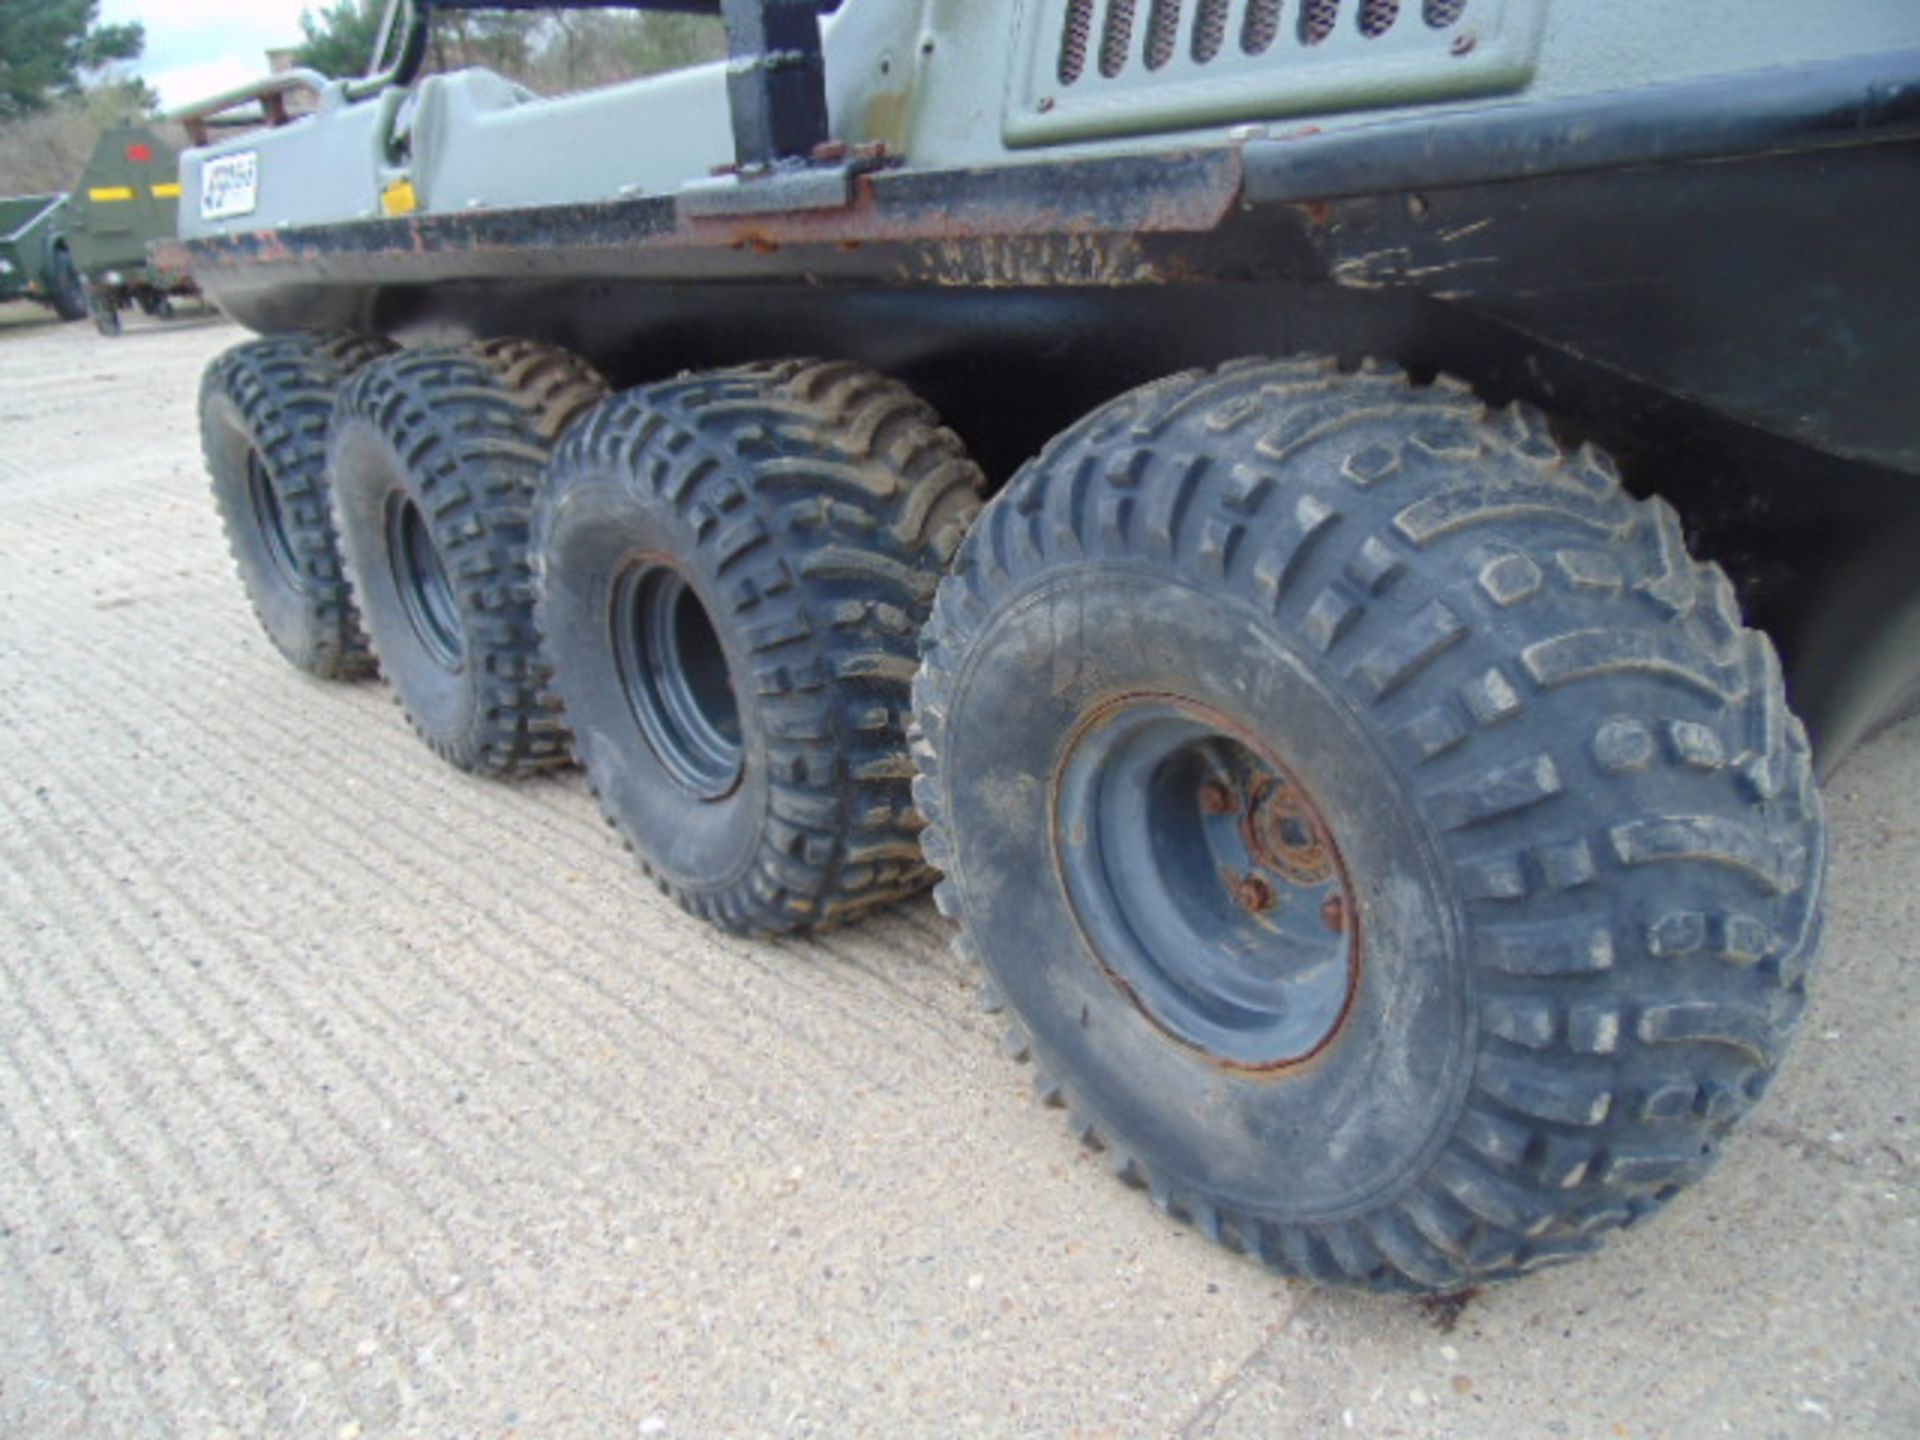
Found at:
[735, 568]
[436, 457]
[1543, 796]
[265, 409]
[66, 287]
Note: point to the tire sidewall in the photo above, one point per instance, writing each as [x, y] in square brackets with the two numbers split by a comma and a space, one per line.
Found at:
[286, 604]
[369, 475]
[69, 287]
[590, 534]
[1338, 1134]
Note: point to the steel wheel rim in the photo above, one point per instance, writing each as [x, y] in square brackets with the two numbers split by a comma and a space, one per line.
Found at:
[1205, 882]
[263, 499]
[426, 594]
[679, 687]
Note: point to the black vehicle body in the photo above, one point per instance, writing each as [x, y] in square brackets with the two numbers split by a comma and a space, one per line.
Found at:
[1715, 280]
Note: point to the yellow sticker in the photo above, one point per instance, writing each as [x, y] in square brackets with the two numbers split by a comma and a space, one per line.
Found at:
[110, 192]
[398, 198]
[169, 191]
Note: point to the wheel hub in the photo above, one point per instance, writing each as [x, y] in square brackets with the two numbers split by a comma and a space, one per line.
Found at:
[421, 579]
[676, 679]
[1205, 881]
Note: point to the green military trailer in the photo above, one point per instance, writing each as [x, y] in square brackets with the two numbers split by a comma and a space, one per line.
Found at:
[36, 261]
[126, 201]
[1292, 511]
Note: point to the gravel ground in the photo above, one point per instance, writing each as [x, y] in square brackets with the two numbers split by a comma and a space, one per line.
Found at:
[341, 1094]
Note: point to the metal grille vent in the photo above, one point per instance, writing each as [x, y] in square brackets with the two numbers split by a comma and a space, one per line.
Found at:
[1209, 29]
[1087, 68]
[1377, 16]
[1261, 24]
[1317, 19]
[1073, 40]
[1115, 42]
[1163, 32]
[1261, 27]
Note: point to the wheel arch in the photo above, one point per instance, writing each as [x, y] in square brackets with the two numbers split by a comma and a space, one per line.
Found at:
[1010, 368]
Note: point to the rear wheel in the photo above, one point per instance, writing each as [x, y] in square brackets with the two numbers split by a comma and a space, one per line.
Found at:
[735, 570]
[265, 409]
[1393, 848]
[66, 287]
[436, 458]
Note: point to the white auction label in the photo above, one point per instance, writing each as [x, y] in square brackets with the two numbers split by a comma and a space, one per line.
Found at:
[230, 186]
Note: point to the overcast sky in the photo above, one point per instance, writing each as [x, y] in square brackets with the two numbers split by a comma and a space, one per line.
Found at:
[196, 48]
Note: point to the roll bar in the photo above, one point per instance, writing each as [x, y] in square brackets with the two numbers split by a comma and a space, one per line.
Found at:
[776, 80]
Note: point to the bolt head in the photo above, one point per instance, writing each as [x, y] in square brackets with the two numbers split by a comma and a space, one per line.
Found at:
[1253, 893]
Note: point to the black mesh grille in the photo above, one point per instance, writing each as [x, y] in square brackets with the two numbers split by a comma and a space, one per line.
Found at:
[1116, 38]
[1209, 29]
[1261, 25]
[1163, 32]
[1101, 32]
[1317, 19]
[1377, 16]
[1073, 40]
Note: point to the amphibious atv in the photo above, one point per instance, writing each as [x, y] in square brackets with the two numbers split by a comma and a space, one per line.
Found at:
[1313, 641]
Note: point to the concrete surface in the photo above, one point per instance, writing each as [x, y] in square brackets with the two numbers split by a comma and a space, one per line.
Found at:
[343, 1095]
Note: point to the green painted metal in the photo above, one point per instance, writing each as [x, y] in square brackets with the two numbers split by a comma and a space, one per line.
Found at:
[1086, 68]
[30, 237]
[125, 199]
[971, 83]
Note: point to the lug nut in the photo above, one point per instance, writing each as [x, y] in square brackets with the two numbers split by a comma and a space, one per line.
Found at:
[1250, 892]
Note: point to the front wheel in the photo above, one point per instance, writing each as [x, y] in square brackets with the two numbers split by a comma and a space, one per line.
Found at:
[1393, 848]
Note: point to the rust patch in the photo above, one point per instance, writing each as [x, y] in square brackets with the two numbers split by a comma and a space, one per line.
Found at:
[1250, 892]
[1285, 836]
[996, 262]
[1217, 798]
[1062, 223]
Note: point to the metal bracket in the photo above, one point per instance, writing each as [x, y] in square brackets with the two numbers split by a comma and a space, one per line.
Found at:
[810, 187]
[824, 182]
[776, 80]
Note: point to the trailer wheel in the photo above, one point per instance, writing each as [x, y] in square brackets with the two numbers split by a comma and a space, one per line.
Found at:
[436, 456]
[735, 570]
[1394, 850]
[66, 286]
[265, 408]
